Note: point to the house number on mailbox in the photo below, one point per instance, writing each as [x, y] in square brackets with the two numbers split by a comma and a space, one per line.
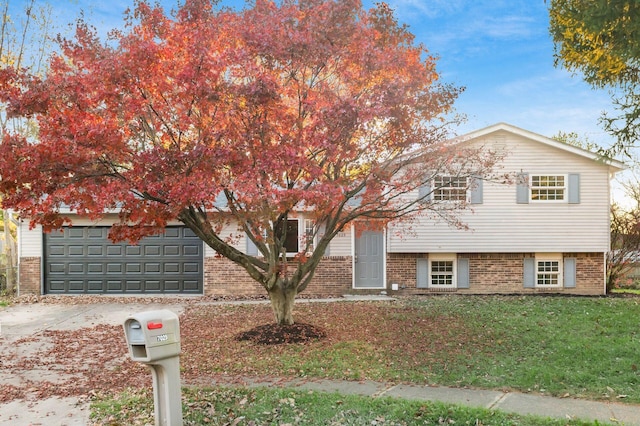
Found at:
[162, 338]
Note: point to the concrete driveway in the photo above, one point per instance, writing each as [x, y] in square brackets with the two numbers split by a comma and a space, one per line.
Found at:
[33, 389]
[24, 333]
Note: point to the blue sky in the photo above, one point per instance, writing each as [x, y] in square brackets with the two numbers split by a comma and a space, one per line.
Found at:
[500, 50]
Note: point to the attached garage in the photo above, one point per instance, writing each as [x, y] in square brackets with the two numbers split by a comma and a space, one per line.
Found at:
[82, 260]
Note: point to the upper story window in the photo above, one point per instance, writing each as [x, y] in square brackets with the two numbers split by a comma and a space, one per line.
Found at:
[548, 187]
[450, 188]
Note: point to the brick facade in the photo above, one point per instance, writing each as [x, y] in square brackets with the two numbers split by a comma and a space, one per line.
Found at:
[499, 273]
[29, 275]
[222, 277]
[489, 273]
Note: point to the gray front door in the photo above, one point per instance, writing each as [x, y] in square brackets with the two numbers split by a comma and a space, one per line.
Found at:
[369, 260]
[84, 260]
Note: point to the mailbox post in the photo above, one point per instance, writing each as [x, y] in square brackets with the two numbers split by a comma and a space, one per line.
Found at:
[153, 338]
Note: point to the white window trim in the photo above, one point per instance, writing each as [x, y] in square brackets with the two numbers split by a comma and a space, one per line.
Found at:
[300, 234]
[436, 188]
[443, 257]
[565, 198]
[303, 237]
[555, 257]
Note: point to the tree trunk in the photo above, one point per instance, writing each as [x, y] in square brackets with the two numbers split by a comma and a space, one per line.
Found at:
[282, 300]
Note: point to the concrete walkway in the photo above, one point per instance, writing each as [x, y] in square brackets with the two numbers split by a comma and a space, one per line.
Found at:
[24, 320]
[513, 402]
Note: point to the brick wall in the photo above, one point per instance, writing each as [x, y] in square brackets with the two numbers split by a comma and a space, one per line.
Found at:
[29, 275]
[499, 273]
[489, 274]
[401, 269]
[496, 273]
[590, 271]
[222, 277]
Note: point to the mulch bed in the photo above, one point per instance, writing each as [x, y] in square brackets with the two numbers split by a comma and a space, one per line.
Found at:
[274, 334]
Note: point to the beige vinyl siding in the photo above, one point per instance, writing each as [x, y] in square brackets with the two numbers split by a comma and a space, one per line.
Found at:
[499, 224]
[341, 244]
[29, 240]
[237, 237]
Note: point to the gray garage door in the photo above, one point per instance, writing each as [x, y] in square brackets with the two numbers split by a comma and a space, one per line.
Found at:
[83, 260]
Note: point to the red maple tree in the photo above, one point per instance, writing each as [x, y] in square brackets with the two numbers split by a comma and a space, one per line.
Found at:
[214, 117]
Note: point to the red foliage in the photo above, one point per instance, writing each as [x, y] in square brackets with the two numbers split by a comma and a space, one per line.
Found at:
[282, 105]
[317, 106]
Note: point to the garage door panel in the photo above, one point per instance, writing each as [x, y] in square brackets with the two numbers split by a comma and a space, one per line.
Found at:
[152, 285]
[171, 250]
[56, 268]
[76, 232]
[172, 262]
[134, 285]
[114, 250]
[191, 250]
[171, 268]
[133, 251]
[76, 268]
[172, 285]
[95, 286]
[191, 286]
[95, 268]
[173, 232]
[115, 286]
[152, 250]
[152, 268]
[95, 251]
[57, 286]
[76, 250]
[191, 268]
[133, 268]
[56, 250]
[97, 233]
[76, 285]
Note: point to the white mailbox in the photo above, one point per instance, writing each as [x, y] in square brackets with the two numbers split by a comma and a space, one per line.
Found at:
[153, 338]
[153, 335]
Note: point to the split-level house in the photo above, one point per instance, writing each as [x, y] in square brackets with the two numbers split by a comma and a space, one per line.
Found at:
[546, 230]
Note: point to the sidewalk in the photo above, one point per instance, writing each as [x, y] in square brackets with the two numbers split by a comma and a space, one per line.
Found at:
[26, 320]
[514, 402]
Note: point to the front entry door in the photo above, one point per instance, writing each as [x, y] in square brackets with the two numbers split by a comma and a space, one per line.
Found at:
[369, 260]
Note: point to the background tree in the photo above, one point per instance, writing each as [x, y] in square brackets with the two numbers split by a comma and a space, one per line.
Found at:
[573, 138]
[216, 118]
[624, 255]
[24, 43]
[600, 39]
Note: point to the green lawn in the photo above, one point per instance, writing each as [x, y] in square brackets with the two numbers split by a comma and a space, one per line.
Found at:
[580, 347]
[561, 346]
[257, 407]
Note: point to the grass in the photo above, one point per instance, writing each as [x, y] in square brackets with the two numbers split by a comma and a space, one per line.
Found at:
[5, 299]
[561, 346]
[582, 347]
[576, 347]
[225, 406]
[625, 291]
